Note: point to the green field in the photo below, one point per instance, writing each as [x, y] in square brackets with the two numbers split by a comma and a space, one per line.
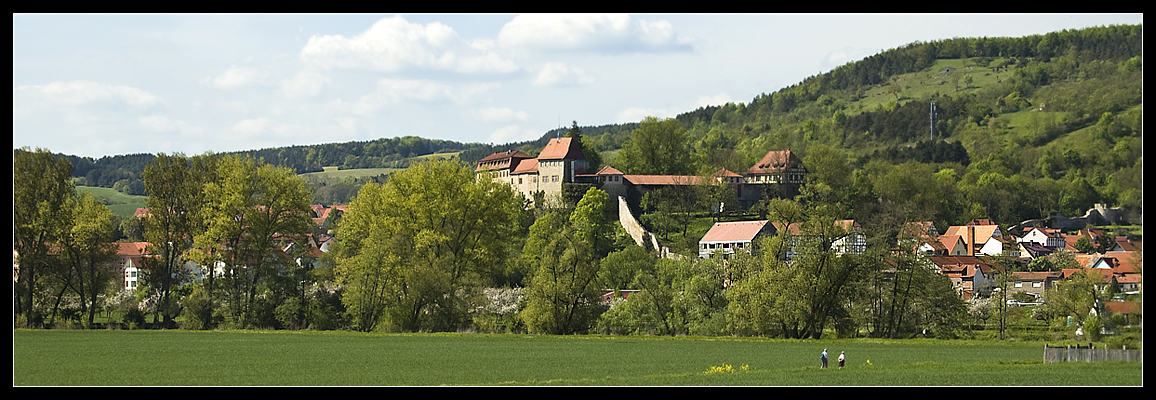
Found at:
[123, 205]
[283, 358]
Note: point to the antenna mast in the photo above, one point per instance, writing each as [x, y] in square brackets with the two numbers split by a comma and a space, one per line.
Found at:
[932, 111]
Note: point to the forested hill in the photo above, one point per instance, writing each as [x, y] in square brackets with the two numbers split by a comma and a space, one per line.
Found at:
[1053, 119]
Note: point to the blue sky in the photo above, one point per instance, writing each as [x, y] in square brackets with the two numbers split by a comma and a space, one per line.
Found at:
[108, 84]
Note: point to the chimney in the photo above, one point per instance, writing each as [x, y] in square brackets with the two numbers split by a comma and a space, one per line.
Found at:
[971, 240]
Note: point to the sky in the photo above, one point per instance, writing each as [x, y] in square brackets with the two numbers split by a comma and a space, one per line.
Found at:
[109, 84]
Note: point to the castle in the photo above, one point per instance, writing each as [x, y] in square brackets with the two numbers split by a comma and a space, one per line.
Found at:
[561, 162]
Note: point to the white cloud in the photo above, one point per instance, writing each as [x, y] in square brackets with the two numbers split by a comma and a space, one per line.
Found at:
[304, 84]
[162, 124]
[394, 44]
[601, 33]
[512, 133]
[81, 93]
[237, 77]
[716, 100]
[389, 92]
[494, 114]
[560, 74]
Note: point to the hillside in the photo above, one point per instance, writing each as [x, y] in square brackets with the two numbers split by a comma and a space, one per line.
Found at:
[1058, 113]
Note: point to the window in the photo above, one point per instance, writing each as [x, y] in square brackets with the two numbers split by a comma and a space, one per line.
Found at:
[1019, 284]
[1037, 284]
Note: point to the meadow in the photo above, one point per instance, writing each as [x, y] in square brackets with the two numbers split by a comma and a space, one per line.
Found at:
[296, 358]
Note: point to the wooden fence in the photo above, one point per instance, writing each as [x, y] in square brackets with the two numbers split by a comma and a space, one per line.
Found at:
[1090, 354]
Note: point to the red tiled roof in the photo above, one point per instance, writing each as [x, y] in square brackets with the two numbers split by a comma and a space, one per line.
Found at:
[795, 228]
[726, 173]
[1129, 245]
[1122, 307]
[1126, 261]
[663, 180]
[775, 162]
[1129, 278]
[982, 233]
[141, 212]
[529, 165]
[608, 170]
[734, 231]
[965, 263]
[562, 149]
[950, 241]
[501, 160]
[131, 248]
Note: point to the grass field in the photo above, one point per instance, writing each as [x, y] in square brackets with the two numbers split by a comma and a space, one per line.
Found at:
[123, 205]
[263, 358]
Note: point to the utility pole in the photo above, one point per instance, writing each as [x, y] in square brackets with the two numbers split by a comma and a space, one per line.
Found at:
[932, 118]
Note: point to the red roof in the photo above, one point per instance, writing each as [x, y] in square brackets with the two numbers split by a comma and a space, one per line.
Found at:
[663, 180]
[1126, 261]
[795, 228]
[775, 162]
[1122, 307]
[530, 165]
[734, 231]
[608, 170]
[727, 173]
[562, 149]
[501, 160]
[131, 248]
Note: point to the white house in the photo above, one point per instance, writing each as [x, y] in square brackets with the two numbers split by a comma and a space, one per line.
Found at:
[728, 237]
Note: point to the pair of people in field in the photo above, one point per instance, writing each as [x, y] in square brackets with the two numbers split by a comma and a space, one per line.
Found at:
[823, 358]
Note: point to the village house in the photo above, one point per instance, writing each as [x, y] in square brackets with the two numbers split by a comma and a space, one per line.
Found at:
[1046, 237]
[725, 238]
[130, 257]
[1033, 283]
[982, 238]
[970, 275]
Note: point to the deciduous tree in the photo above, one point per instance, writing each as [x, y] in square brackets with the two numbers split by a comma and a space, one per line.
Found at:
[417, 250]
[41, 187]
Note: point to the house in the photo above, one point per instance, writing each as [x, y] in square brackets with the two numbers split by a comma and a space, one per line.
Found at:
[1031, 250]
[923, 237]
[130, 258]
[1123, 243]
[1132, 309]
[561, 161]
[953, 245]
[1126, 261]
[1129, 283]
[727, 237]
[854, 241]
[970, 275]
[1046, 237]
[979, 237]
[780, 168]
[1033, 283]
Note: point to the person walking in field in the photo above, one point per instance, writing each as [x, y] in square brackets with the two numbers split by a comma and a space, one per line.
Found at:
[841, 357]
[823, 358]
